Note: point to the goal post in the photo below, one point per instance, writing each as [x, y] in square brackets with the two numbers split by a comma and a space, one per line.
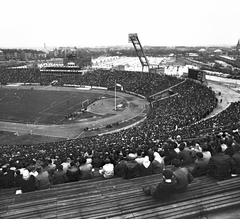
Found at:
[85, 103]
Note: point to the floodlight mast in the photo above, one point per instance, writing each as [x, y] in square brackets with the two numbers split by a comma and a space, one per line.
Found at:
[133, 38]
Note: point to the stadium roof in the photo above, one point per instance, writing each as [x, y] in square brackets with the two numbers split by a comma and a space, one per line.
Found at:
[218, 50]
[202, 50]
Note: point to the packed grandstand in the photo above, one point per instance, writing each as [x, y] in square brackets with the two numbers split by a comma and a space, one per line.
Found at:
[180, 114]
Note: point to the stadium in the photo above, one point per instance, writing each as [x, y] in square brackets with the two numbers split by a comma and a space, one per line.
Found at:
[56, 120]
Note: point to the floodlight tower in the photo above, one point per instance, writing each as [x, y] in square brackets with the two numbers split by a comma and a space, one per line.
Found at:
[133, 38]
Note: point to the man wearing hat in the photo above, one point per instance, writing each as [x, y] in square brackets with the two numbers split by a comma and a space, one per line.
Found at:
[166, 187]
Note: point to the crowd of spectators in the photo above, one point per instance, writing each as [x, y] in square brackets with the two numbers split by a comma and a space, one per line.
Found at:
[216, 155]
[229, 117]
[192, 103]
[19, 75]
[138, 82]
[143, 150]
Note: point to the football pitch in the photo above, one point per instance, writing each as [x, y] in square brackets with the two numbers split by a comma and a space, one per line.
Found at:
[41, 106]
[30, 115]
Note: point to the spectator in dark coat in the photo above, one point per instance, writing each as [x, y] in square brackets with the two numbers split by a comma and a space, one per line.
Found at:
[146, 168]
[236, 162]
[165, 189]
[85, 169]
[119, 168]
[150, 153]
[157, 163]
[50, 167]
[230, 149]
[43, 179]
[183, 176]
[131, 168]
[18, 178]
[200, 165]
[220, 165]
[97, 161]
[28, 183]
[169, 151]
[59, 175]
[184, 155]
[73, 173]
[7, 178]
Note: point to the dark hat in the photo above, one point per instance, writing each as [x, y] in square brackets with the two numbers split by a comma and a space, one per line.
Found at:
[176, 162]
[107, 160]
[39, 169]
[4, 169]
[168, 175]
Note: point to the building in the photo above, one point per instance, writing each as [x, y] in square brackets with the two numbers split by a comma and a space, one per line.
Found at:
[60, 71]
[22, 55]
[202, 50]
[119, 67]
[71, 65]
[81, 62]
[231, 61]
[158, 70]
[218, 52]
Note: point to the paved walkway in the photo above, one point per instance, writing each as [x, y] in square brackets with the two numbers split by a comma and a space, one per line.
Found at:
[227, 95]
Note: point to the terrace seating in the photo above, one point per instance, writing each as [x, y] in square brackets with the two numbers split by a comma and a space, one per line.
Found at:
[119, 198]
[189, 209]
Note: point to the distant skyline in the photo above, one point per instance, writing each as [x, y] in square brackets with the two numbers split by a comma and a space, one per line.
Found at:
[90, 23]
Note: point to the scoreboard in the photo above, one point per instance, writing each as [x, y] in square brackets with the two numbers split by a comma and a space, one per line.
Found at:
[197, 74]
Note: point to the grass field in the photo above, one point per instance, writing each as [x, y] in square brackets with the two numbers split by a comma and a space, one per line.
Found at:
[30, 115]
[11, 138]
[41, 106]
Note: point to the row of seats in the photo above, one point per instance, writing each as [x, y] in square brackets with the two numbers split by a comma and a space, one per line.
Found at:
[119, 198]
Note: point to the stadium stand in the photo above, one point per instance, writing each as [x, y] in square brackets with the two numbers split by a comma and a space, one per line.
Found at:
[178, 114]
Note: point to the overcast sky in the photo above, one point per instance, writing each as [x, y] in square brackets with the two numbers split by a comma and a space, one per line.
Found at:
[31, 23]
